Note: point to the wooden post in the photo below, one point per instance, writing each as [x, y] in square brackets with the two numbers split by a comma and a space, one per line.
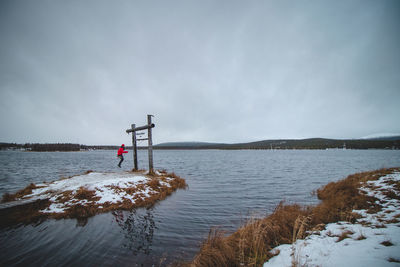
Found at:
[150, 148]
[134, 148]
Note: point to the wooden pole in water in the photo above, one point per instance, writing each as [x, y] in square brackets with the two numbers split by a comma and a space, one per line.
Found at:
[150, 148]
[134, 148]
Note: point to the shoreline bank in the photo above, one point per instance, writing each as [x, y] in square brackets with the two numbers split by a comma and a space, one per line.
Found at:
[253, 244]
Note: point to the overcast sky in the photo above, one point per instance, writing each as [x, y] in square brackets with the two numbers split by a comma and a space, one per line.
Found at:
[217, 71]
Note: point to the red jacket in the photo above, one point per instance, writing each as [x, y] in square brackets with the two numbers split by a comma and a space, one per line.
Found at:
[121, 150]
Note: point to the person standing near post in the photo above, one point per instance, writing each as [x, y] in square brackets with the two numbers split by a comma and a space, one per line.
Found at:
[120, 154]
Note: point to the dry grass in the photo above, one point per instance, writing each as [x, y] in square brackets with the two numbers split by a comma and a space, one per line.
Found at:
[391, 194]
[392, 221]
[154, 184]
[395, 184]
[84, 193]
[344, 235]
[341, 197]
[138, 171]
[361, 237]
[300, 226]
[387, 243]
[216, 251]
[21, 193]
[299, 231]
[64, 197]
[251, 244]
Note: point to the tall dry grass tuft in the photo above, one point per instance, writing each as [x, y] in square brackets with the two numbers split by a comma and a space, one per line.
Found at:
[251, 244]
[217, 250]
[251, 251]
[177, 181]
[300, 227]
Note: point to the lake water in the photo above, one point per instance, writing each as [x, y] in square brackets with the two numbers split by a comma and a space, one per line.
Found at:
[225, 187]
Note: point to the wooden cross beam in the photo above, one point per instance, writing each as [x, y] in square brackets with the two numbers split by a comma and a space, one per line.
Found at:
[141, 128]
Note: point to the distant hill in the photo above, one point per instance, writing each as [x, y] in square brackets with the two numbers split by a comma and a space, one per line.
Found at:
[311, 143]
[385, 138]
[384, 142]
[186, 145]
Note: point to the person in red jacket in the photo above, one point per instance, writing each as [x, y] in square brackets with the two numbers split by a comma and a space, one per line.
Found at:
[120, 154]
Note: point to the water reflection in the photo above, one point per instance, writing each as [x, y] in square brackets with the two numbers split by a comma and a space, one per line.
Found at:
[138, 229]
[81, 222]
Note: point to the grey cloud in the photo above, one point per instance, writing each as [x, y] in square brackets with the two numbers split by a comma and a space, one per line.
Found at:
[225, 71]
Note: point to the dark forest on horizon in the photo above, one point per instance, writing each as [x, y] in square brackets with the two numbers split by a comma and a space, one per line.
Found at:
[312, 143]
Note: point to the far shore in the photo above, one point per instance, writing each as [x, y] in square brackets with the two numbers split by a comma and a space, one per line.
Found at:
[389, 143]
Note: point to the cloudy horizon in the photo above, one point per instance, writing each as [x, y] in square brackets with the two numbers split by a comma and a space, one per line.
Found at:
[212, 71]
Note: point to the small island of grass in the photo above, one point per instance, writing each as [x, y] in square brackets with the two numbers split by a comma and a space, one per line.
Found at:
[85, 195]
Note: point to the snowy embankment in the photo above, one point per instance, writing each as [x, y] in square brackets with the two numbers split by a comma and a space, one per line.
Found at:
[93, 192]
[374, 240]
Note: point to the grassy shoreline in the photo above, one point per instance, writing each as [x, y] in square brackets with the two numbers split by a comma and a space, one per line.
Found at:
[82, 202]
[252, 243]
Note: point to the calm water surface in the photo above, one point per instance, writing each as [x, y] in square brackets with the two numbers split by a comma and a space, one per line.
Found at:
[225, 187]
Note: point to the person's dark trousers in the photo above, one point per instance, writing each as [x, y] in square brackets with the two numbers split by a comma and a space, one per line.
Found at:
[122, 159]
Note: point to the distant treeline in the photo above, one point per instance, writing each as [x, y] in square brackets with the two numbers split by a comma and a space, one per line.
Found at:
[55, 147]
[85, 147]
[51, 147]
[312, 143]
[42, 147]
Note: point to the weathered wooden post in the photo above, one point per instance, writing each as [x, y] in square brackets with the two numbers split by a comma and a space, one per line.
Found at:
[134, 148]
[150, 144]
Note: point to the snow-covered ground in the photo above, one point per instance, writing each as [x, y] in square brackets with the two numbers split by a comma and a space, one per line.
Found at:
[105, 188]
[373, 241]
